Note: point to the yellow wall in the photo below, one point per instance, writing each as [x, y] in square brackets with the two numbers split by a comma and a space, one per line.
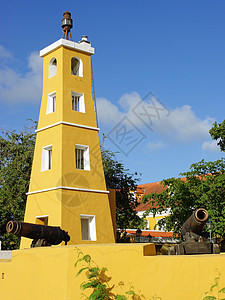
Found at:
[49, 272]
[152, 222]
[112, 203]
[90, 204]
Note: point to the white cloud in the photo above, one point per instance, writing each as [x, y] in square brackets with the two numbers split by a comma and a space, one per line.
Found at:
[129, 100]
[183, 125]
[35, 62]
[108, 113]
[178, 125]
[210, 146]
[16, 87]
[4, 53]
[155, 146]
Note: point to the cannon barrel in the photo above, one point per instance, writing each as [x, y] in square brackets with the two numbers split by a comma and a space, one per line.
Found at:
[196, 222]
[53, 235]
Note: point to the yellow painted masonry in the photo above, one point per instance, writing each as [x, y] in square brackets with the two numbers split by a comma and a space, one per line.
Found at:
[63, 193]
[49, 272]
[152, 222]
[63, 83]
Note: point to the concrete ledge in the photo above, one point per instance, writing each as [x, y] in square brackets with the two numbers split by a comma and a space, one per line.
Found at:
[5, 254]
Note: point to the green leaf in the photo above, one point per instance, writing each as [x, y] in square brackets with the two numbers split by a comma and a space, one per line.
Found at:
[87, 285]
[79, 260]
[222, 290]
[87, 258]
[120, 297]
[104, 269]
[93, 272]
[130, 293]
[209, 298]
[213, 286]
[81, 270]
[95, 295]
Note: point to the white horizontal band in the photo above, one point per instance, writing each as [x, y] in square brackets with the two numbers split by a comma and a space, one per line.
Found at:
[68, 188]
[68, 123]
[83, 47]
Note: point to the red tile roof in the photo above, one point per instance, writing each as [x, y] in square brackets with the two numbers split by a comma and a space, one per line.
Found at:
[155, 187]
[148, 188]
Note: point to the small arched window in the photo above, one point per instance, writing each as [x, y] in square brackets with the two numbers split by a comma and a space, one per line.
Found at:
[77, 66]
[52, 67]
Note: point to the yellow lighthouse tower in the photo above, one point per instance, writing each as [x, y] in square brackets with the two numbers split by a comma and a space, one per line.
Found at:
[67, 185]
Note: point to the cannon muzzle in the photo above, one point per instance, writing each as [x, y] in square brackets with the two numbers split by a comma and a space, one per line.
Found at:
[195, 223]
[48, 235]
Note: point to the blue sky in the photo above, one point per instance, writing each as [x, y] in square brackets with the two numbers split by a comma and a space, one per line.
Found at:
[165, 58]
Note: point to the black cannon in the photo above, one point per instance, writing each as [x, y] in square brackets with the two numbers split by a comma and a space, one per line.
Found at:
[42, 235]
[195, 241]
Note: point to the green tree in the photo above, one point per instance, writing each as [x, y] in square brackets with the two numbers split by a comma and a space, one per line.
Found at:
[16, 154]
[203, 186]
[217, 132]
[125, 183]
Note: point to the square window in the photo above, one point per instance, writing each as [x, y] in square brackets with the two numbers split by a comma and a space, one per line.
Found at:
[79, 158]
[51, 103]
[78, 102]
[88, 228]
[82, 157]
[75, 103]
[46, 158]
